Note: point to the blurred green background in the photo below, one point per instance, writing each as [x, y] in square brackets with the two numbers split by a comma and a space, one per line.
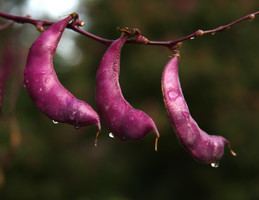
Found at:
[220, 80]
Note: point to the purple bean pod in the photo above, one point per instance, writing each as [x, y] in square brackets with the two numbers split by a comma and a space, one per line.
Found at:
[124, 121]
[206, 148]
[42, 83]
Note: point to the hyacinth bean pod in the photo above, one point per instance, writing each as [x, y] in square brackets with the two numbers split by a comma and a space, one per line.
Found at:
[42, 83]
[124, 121]
[206, 148]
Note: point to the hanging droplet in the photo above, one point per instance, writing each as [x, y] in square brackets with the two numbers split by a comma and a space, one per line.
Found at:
[111, 135]
[77, 126]
[192, 38]
[214, 165]
[213, 33]
[54, 122]
[73, 115]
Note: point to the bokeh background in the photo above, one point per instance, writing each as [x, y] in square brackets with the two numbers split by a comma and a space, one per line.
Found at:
[220, 80]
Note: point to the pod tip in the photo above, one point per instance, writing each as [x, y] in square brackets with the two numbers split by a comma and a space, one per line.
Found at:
[97, 133]
[96, 138]
[233, 153]
[156, 143]
[157, 138]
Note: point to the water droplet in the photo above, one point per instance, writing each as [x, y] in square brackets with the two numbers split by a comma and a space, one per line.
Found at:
[251, 16]
[111, 135]
[73, 115]
[77, 126]
[213, 33]
[192, 38]
[172, 95]
[54, 122]
[24, 85]
[214, 165]
[40, 89]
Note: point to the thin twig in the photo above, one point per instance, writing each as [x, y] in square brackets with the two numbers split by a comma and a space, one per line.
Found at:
[200, 32]
[170, 44]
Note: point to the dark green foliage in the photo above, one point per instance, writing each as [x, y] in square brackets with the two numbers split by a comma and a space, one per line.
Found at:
[220, 79]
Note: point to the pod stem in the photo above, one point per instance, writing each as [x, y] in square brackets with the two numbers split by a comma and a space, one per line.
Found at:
[74, 15]
[135, 33]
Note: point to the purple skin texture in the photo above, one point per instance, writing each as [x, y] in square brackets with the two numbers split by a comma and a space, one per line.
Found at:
[124, 121]
[43, 86]
[203, 147]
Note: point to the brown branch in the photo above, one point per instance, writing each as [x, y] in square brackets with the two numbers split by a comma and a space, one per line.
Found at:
[170, 44]
[41, 23]
[200, 32]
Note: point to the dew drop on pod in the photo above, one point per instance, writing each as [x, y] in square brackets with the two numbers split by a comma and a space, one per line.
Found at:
[122, 120]
[205, 148]
[42, 84]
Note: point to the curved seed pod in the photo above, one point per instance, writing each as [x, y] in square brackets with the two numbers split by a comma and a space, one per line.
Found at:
[124, 121]
[203, 147]
[44, 87]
